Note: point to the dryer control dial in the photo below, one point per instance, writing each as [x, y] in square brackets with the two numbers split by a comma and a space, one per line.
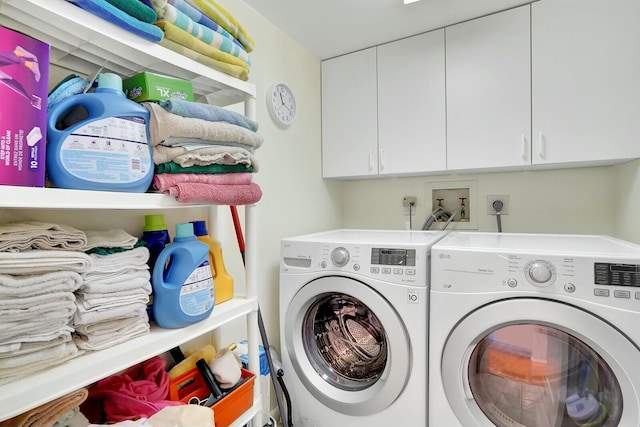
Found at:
[340, 256]
[540, 273]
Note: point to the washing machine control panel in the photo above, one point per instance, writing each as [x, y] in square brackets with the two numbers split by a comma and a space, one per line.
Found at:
[540, 272]
[392, 264]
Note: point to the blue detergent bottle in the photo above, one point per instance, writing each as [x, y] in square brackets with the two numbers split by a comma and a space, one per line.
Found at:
[100, 141]
[182, 281]
[155, 236]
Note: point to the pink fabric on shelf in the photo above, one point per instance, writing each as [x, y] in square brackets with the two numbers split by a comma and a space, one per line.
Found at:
[242, 194]
[139, 392]
[164, 181]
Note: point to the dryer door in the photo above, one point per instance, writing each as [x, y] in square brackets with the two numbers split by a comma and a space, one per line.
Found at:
[347, 345]
[534, 363]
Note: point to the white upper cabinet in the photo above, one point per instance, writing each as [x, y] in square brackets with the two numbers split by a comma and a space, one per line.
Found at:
[349, 115]
[489, 91]
[411, 105]
[586, 81]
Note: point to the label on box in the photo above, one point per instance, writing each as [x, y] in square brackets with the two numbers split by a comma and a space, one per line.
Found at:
[24, 75]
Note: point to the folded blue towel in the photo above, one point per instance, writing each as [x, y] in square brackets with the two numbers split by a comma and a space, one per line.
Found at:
[106, 11]
[72, 86]
[212, 113]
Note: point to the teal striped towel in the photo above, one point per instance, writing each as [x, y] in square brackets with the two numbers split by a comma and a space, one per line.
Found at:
[169, 13]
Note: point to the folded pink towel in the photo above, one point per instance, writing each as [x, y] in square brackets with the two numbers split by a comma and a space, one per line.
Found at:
[235, 195]
[163, 181]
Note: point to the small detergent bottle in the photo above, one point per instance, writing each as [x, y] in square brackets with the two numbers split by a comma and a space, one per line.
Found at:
[222, 281]
[182, 281]
[108, 149]
[155, 236]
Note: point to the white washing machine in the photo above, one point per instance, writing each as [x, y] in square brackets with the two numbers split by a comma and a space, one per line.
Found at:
[353, 310]
[534, 330]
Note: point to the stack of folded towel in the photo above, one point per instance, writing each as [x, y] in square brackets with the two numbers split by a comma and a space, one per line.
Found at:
[135, 16]
[205, 32]
[40, 268]
[204, 153]
[112, 300]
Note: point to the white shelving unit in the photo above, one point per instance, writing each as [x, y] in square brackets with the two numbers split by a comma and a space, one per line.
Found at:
[82, 42]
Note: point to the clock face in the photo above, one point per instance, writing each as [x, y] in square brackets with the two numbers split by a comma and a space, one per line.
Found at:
[283, 104]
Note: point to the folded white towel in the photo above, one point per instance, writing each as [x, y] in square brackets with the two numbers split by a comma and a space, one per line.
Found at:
[114, 276]
[100, 342]
[61, 304]
[212, 155]
[120, 261]
[97, 298]
[111, 302]
[21, 348]
[114, 238]
[24, 235]
[116, 283]
[83, 316]
[113, 326]
[44, 352]
[29, 285]
[43, 261]
[69, 351]
[35, 337]
[44, 324]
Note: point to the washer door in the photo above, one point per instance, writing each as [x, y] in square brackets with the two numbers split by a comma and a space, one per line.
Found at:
[534, 362]
[347, 345]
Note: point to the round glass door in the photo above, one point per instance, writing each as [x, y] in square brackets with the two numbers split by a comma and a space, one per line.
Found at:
[344, 341]
[538, 376]
[530, 362]
[347, 345]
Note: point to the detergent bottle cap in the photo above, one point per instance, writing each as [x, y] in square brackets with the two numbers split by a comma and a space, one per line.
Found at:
[200, 228]
[109, 81]
[184, 230]
[154, 222]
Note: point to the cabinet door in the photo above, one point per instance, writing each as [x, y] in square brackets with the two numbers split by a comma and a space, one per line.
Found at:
[349, 115]
[489, 91]
[586, 80]
[411, 105]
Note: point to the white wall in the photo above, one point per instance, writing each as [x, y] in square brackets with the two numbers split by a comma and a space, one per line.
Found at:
[574, 201]
[295, 198]
[627, 208]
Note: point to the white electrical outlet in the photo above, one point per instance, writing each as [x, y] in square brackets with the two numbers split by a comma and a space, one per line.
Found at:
[505, 205]
[409, 205]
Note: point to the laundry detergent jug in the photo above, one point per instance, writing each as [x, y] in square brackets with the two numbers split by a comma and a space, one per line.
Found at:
[182, 281]
[100, 141]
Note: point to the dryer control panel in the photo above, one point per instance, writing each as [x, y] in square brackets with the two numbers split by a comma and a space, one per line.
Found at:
[407, 264]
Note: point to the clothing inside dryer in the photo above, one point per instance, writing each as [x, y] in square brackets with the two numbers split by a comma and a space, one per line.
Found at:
[344, 341]
[537, 376]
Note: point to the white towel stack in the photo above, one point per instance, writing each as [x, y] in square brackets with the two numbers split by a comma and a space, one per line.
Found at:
[112, 300]
[36, 310]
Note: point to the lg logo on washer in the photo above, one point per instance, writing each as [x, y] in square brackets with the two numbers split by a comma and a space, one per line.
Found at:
[413, 296]
[444, 256]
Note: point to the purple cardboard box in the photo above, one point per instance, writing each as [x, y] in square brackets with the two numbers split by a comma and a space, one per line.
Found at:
[24, 80]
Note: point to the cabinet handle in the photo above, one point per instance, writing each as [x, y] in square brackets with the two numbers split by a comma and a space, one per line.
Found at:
[370, 160]
[524, 147]
[381, 159]
[542, 141]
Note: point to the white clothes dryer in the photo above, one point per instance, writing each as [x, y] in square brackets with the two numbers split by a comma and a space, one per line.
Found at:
[353, 310]
[530, 330]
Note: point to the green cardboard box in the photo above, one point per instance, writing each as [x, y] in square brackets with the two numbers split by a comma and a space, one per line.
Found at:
[155, 87]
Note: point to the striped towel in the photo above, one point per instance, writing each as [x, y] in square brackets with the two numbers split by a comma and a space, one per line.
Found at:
[168, 13]
[184, 43]
[197, 16]
[225, 19]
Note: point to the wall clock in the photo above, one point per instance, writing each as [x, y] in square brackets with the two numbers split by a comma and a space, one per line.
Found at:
[281, 103]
